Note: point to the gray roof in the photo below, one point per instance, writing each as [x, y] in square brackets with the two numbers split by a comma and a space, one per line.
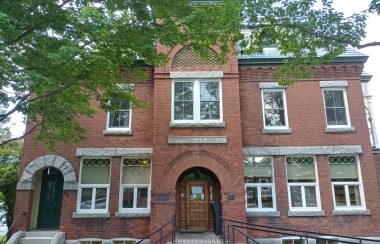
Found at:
[271, 55]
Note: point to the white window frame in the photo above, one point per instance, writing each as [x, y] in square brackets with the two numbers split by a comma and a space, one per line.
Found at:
[119, 128]
[350, 183]
[303, 184]
[94, 187]
[348, 119]
[197, 102]
[135, 186]
[286, 126]
[259, 186]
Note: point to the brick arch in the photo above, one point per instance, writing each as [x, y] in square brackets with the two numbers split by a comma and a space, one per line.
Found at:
[191, 159]
[43, 162]
[186, 59]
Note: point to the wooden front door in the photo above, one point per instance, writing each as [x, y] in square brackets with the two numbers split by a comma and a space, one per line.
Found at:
[196, 213]
[49, 212]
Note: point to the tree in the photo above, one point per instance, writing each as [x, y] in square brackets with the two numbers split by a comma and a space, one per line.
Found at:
[58, 55]
[10, 155]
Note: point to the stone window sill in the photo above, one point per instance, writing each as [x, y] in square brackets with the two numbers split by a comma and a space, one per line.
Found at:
[78, 215]
[132, 215]
[117, 132]
[340, 130]
[197, 125]
[263, 213]
[307, 213]
[277, 131]
[352, 212]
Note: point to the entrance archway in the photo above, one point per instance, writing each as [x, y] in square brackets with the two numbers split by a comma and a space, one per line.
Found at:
[50, 201]
[198, 198]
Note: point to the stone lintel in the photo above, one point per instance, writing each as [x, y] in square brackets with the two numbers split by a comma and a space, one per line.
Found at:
[333, 83]
[271, 85]
[132, 215]
[340, 130]
[197, 139]
[21, 186]
[117, 132]
[315, 150]
[104, 152]
[197, 125]
[70, 186]
[263, 214]
[352, 212]
[196, 74]
[277, 131]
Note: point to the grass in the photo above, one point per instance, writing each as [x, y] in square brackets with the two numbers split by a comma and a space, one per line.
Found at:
[1, 237]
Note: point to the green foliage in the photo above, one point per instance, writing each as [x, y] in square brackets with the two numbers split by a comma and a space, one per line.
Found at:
[60, 57]
[375, 6]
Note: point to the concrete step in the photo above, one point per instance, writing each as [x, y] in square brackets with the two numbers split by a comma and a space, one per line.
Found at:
[36, 240]
[46, 233]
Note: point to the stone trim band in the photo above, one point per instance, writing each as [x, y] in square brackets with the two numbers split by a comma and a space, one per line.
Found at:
[273, 151]
[196, 74]
[114, 152]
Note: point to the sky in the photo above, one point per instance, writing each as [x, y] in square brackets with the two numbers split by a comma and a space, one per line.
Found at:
[372, 66]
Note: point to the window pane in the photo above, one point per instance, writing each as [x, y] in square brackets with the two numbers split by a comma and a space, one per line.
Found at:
[340, 196]
[252, 198]
[119, 119]
[296, 196]
[95, 171]
[128, 197]
[258, 170]
[266, 197]
[210, 110]
[311, 196]
[274, 117]
[300, 169]
[183, 110]
[329, 99]
[142, 197]
[86, 198]
[183, 91]
[101, 198]
[340, 115]
[209, 91]
[273, 100]
[354, 193]
[338, 98]
[136, 175]
[343, 168]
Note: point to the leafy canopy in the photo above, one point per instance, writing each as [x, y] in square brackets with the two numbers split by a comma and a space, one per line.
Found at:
[56, 56]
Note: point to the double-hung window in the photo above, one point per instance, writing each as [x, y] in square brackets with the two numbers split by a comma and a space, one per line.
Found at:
[336, 109]
[259, 183]
[274, 109]
[303, 189]
[346, 182]
[197, 101]
[121, 118]
[94, 185]
[135, 185]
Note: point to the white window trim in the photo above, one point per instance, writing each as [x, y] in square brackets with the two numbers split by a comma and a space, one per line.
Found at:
[120, 128]
[345, 105]
[93, 186]
[259, 186]
[346, 184]
[303, 184]
[135, 186]
[196, 102]
[286, 126]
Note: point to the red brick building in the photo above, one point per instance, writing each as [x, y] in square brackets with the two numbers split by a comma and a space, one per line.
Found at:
[297, 156]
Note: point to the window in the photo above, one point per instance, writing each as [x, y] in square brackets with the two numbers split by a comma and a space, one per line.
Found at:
[303, 189]
[197, 101]
[346, 182]
[274, 109]
[298, 240]
[124, 242]
[91, 242]
[94, 185]
[336, 108]
[121, 118]
[135, 185]
[259, 185]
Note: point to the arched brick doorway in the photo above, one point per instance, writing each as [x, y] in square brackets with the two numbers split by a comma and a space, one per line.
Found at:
[198, 196]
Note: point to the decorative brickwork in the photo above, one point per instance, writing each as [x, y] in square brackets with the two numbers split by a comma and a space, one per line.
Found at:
[187, 59]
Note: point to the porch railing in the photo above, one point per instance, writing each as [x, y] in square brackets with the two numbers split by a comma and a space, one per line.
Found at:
[19, 217]
[160, 232]
[231, 229]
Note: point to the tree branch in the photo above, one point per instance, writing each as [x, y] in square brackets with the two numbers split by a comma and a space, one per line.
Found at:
[369, 44]
[21, 137]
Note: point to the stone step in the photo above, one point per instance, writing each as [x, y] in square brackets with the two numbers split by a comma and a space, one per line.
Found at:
[36, 240]
[50, 233]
